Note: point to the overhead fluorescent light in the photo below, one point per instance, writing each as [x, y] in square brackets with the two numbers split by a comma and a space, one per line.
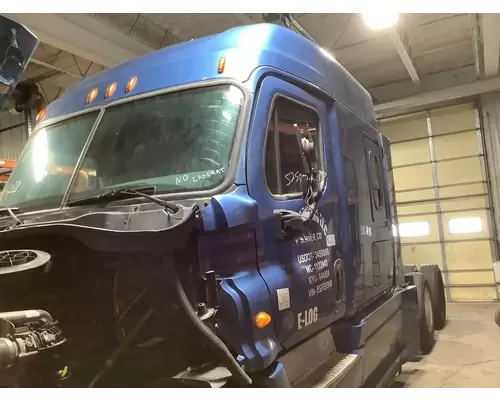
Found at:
[380, 20]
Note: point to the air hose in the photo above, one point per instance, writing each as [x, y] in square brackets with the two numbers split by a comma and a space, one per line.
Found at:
[217, 345]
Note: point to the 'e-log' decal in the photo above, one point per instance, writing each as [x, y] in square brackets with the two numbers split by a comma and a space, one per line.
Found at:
[307, 318]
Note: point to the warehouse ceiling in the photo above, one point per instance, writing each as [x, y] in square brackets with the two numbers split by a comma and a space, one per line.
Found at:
[427, 52]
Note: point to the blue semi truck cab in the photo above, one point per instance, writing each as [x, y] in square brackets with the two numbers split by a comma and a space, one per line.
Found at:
[218, 213]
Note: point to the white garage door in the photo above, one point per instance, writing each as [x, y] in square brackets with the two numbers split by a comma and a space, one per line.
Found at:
[443, 199]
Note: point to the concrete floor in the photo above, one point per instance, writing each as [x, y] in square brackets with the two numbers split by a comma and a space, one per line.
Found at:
[466, 354]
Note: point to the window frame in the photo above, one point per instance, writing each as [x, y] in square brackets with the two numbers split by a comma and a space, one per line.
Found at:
[272, 115]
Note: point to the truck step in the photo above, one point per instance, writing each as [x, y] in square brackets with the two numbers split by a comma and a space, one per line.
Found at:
[332, 372]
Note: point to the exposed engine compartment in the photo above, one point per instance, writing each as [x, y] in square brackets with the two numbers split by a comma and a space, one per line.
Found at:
[104, 319]
[26, 334]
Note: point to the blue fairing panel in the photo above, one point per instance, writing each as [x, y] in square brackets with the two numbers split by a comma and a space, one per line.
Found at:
[228, 248]
[230, 210]
[243, 296]
[388, 335]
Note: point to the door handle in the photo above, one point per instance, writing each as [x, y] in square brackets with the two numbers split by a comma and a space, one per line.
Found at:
[288, 224]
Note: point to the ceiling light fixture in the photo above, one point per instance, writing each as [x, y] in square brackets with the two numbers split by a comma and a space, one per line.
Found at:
[380, 20]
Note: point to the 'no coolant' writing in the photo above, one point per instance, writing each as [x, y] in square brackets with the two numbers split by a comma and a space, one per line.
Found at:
[199, 177]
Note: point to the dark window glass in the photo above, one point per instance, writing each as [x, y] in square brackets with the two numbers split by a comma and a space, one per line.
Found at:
[375, 168]
[176, 142]
[283, 161]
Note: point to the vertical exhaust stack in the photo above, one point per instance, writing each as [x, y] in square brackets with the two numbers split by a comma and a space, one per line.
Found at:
[17, 46]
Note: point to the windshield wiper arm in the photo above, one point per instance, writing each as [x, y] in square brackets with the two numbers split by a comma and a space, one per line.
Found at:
[11, 211]
[118, 194]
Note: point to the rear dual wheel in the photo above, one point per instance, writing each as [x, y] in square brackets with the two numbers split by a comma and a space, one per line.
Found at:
[426, 318]
[432, 275]
[497, 317]
[431, 305]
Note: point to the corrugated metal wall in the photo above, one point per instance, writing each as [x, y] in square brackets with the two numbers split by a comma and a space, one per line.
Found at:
[444, 199]
[490, 112]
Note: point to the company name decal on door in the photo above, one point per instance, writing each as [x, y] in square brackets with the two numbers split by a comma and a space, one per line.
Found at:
[307, 318]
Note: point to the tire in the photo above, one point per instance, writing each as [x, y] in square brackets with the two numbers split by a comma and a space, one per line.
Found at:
[426, 319]
[497, 317]
[432, 275]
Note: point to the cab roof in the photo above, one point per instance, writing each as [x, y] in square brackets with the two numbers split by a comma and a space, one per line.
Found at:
[245, 48]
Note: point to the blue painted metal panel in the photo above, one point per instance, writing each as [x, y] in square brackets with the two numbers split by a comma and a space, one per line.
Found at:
[281, 264]
[228, 248]
[245, 48]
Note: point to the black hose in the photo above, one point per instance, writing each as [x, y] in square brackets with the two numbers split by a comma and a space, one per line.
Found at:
[212, 338]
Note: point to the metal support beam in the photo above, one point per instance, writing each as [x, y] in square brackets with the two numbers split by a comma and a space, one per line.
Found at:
[83, 36]
[43, 76]
[417, 101]
[428, 83]
[474, 33]
[490, 29]
[404, 52]
[9, 128]
[53, 67]
[447, 47]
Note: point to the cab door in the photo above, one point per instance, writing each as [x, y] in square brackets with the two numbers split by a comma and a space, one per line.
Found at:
[304, 275]
[379, 241]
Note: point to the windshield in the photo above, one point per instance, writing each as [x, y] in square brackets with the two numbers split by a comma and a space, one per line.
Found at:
[36, 180]
[176, 142]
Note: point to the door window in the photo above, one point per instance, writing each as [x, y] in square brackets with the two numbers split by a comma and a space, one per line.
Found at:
[374, 165]
[283, 161]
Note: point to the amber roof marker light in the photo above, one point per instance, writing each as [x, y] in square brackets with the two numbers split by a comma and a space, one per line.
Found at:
[41, 114]
[131, 84]
[92, 95]
[110, 90]
[221, 65]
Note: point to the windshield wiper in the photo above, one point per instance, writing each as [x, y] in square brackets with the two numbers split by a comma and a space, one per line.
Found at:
[11, 211]
[119, 194]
